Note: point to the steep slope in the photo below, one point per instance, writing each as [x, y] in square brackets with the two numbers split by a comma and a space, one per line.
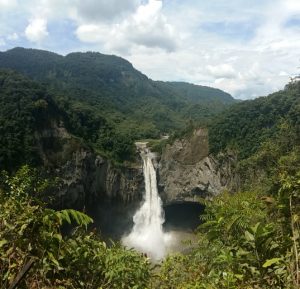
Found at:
[36, 132]
[199, 94]
[25, 107]
[264, 136]
[111, 87]
[245, 126]
[249, 146]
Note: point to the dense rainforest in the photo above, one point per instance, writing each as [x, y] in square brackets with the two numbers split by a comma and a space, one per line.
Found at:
[247, 239]
[92, 89]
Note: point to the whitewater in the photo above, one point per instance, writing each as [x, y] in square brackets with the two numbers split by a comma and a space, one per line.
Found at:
[147, 235]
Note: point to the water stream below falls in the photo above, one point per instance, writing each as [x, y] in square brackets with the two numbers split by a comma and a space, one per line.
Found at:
[147, 234]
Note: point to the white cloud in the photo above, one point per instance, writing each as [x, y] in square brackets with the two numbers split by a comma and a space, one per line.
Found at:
[91, 33]
[2, 42]
[103, 10]
[36, 31]
[147, 26]
[221, 71]
[292, 5]
[7, 4]
[14, 36]
[283, 73]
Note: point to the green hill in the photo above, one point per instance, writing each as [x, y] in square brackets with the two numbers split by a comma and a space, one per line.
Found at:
[245, 126]
[104, 100]
[110, 86]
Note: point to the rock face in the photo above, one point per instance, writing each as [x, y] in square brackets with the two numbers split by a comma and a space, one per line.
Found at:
[187, 172]
[88, 178]
[111, 195]
[85, 178]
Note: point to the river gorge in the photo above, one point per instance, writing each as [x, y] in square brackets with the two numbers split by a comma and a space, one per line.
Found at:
[118, 198]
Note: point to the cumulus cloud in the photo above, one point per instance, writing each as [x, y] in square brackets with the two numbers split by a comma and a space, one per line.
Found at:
[99, 10]
[2, 42]
[221, 71]
[146, 27]
[7, 4]
[292, 5]
[36, 31]
[91, 33]
[12, 37]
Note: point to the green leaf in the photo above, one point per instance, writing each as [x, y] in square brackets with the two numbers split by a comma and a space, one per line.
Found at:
[3, 242]
[249, 236]
[52, 259]
[270, 262]
[58, 237]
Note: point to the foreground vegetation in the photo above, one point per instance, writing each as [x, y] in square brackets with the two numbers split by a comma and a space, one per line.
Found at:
[248, 240]
[31, 232]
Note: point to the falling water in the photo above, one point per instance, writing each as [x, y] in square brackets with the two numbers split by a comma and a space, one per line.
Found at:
[147, 235]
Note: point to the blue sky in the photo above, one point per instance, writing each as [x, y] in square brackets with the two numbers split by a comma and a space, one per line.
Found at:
[248, 48]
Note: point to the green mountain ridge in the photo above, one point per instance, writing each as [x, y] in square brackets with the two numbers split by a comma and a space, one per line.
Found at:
[110, 104]
[245, 126]
[105, 101]
[112, 85]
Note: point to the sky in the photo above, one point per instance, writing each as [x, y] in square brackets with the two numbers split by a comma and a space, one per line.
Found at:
[247, 48]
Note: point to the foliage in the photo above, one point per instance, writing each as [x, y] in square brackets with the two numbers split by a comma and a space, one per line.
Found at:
[30, 230]
[24, 108]
[157, 145]
[106, 102]
[245, 126]
[247, 240]
[250, 239]
[279, 154]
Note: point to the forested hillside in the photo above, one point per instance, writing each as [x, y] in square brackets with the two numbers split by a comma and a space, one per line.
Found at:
[28, 108]
[250, 238]
[264, 135]
[245, 126]
[108, 103]
[25, 107]
[109, 86]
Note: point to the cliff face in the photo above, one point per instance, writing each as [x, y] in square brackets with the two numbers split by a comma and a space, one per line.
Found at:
[187, 172]
[84, 177]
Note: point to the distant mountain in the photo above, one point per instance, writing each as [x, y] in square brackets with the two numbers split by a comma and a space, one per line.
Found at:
[199, 94]
[110, 104]
[111, 84]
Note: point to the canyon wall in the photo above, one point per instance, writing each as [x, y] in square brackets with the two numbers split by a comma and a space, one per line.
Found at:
[83, 176]
[187, 171]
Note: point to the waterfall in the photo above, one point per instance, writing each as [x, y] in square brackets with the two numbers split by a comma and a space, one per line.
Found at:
[147, 235]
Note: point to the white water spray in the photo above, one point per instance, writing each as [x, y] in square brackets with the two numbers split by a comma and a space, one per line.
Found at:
[147, 235]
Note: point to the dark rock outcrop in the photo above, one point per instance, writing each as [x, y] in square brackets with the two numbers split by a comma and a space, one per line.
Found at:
[85, 177]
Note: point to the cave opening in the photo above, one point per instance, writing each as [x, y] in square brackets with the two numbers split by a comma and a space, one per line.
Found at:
[182, 216]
